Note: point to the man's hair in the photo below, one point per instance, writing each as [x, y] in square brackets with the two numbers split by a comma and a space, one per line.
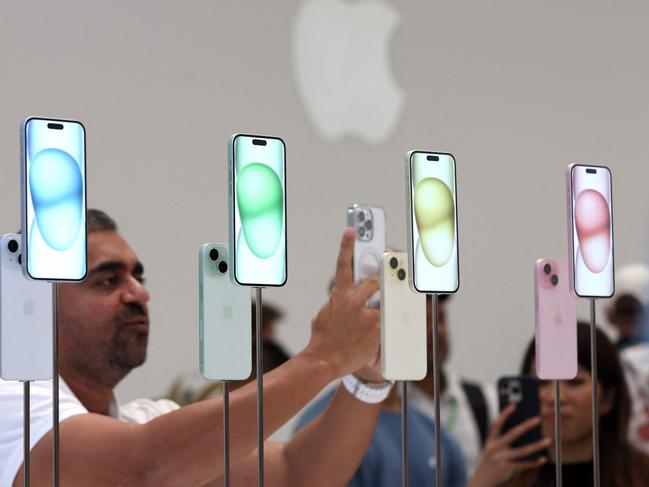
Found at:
[99, 220]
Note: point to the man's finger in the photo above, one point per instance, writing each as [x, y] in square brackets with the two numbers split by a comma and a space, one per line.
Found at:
[374, 313]
[367, 288]
[344, 276]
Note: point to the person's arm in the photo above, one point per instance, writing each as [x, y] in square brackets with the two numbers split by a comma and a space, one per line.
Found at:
[185, 447]
[326, 452]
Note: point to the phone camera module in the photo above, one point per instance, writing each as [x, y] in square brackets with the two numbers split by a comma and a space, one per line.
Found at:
[20, 258]
[361, 232]
[547, 268]
[223, 267]
[368, 225]
[214, 254]
[401, 274]
[554, 279]
[361, 216]
[12, 246]
[394, 262]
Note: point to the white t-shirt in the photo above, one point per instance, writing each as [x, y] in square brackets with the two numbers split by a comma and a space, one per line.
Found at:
[11, 418]
[457, 417]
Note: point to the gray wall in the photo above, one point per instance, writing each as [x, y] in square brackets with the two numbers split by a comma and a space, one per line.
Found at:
[515, 89]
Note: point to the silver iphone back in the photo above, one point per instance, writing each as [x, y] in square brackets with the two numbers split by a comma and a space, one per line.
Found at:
[25, 318]
[225, 318]
[369, 223]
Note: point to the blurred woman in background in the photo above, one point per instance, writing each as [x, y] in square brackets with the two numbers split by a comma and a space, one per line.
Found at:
[621, 464]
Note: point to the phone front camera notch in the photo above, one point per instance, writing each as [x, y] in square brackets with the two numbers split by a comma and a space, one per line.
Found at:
[590, 170]
[432, 158]
[258, 142]
[55, 126]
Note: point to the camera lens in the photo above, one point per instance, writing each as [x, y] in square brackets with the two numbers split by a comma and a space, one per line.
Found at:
[547, 268]
[368, 225]
[554, 279]
[20, 258]
[401, 274]
[394, 262]
[223, 266]
[214, 254]
[361, 232]
[361, 216]
[12, 246]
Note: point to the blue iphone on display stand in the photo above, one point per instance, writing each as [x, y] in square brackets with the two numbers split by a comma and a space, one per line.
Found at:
[53, 206]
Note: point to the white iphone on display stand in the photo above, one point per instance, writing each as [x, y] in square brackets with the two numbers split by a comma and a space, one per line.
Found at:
[403, 322]
[25, 318]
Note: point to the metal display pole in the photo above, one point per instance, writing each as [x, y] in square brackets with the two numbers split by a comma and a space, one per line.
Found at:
[595, 403]
[55, 386]
[404, 433]
[26, 433]
[260, 389]
[557, 434]
[226, 433]
[437, 392]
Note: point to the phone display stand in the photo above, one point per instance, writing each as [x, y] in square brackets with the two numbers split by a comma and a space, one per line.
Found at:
[260, 388]
[226, 433]
[56, 475]
[404, 433]
[432, 303]
[595, 403]
[26, 432]
[557, 434]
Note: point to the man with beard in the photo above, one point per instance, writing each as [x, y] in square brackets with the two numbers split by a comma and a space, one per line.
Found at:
[103, 330]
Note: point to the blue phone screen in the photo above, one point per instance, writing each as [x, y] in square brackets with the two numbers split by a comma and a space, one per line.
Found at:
[54, 222]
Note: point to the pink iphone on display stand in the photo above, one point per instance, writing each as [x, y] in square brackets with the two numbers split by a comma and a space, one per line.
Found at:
[590, 230]
[555, 313]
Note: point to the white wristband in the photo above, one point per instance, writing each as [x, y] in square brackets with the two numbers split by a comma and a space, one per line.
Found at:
[367, 392]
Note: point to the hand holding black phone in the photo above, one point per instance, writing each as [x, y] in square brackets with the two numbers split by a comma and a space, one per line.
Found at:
[523, 392]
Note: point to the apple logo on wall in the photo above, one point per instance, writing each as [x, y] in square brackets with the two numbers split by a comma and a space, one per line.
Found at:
[342, 66]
